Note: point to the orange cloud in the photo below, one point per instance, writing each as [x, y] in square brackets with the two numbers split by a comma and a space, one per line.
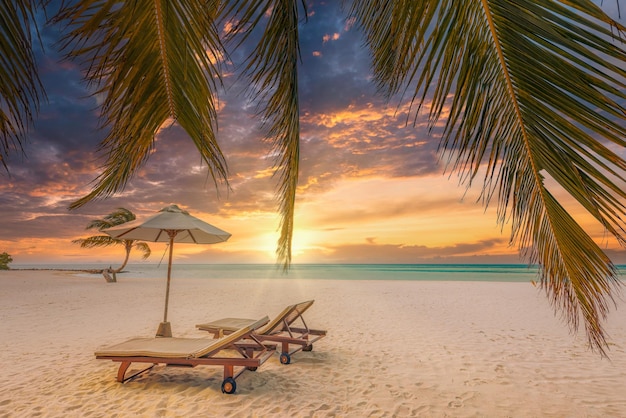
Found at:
[326, 38]
[349, 24]
[352, 114]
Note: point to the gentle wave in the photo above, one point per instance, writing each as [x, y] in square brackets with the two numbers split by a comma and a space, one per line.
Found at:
[424, 272]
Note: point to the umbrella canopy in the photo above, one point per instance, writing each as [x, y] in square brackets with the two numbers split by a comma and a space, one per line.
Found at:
[189, 229]
[171, 224]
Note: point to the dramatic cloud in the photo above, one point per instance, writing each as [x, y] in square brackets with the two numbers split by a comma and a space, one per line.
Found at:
[371, 186]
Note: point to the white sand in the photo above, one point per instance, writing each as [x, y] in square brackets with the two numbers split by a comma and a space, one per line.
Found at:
[432, 349]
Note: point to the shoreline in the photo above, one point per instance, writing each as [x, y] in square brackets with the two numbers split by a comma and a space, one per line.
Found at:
[92, 271]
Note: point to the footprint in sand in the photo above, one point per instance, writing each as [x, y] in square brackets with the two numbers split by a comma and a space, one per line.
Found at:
[403, 410]
[457, 403]
[474, 382]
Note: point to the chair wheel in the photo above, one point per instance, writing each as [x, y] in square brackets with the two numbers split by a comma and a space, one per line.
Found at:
[252, 369]
[308, 348]
[229, 385]
[285, 358]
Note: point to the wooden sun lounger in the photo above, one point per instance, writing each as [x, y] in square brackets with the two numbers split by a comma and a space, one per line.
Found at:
[194, 352]
[280, 330]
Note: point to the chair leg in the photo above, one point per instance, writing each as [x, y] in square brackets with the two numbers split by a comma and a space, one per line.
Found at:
[229, 371]
[124, 365]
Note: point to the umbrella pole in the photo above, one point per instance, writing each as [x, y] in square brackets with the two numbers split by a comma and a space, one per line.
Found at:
[165, 329]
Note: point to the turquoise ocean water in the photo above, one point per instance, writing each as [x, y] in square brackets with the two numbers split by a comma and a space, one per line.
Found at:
[433, 272]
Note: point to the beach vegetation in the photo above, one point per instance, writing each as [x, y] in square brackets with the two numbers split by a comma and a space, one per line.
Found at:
[115, 218]
[531, 92]
[5, 260]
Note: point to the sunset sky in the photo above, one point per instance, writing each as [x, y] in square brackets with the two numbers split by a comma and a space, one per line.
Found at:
[372, 188]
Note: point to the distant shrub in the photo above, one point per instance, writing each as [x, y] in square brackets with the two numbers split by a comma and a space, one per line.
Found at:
[5, 259]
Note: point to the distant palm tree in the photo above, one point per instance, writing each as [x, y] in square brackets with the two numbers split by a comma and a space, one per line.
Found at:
[118, 217]
[530, 89]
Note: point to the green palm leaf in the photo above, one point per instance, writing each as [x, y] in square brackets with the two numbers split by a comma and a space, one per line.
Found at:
[273, 70]
[20, 89]
[144, 248]
[117, 217]
[154, 61]
[97, 241]
[533, 89]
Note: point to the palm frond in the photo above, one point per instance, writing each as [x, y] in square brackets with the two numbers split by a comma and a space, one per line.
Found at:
[117, 217]
[97, 241]
[144, 248]
[532, 89]
[99, 224]
[20, 87]
[152, 60]
[273, 70]
[120, 216]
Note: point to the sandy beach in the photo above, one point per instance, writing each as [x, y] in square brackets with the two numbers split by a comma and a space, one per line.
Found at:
[393, 349]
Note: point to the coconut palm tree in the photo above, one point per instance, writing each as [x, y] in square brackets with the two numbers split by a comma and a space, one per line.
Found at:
[117, 217]
[533, 90]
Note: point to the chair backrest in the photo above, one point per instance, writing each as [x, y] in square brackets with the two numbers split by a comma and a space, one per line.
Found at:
[226, 341]
[286, 318]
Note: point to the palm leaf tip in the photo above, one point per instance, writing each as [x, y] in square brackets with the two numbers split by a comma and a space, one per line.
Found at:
[581, 282]
[272, 68]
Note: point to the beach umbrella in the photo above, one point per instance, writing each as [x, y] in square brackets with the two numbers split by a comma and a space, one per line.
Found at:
[171, 224]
